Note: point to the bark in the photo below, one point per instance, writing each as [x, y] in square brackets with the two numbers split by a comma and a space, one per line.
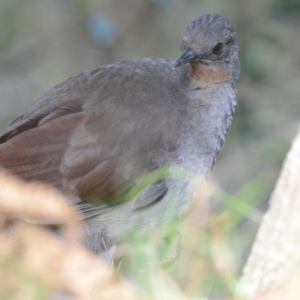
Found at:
[274, 259]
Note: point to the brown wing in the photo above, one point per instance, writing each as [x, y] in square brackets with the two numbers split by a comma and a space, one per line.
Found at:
[62, 152]
[48, 153]
[36, 153]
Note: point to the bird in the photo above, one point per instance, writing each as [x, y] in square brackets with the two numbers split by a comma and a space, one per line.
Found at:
[148, 123]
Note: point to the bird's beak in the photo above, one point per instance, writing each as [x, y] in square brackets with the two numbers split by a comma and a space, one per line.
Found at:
[186, 56]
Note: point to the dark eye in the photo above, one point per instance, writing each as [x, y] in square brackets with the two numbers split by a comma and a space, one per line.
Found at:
[218, 48]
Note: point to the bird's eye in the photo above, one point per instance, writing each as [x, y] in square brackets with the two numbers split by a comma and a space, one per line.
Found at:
[218, 48]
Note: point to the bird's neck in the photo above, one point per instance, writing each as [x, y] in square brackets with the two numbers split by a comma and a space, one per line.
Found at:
[202, 75]
[212, 110]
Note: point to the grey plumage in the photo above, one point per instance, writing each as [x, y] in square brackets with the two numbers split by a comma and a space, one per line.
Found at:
[97, 134]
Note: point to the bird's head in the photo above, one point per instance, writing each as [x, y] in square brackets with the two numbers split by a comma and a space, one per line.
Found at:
[210, 40]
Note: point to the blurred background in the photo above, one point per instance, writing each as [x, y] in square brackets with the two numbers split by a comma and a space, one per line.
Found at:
[43, 42]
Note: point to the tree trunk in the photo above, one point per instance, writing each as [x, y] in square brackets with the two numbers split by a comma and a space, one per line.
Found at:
[274, 259]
